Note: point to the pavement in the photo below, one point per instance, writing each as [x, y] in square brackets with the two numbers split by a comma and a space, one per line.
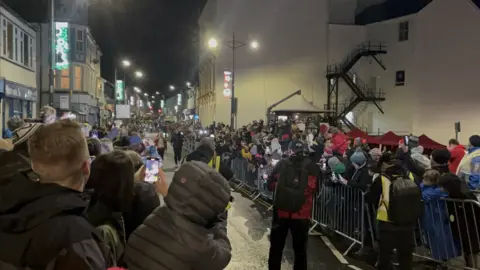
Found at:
[248, 230]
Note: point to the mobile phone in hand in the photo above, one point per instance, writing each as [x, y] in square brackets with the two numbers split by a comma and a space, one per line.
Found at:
[151, 171]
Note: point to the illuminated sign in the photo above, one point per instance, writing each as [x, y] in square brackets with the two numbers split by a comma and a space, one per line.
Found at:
[120, 90]
[227, 84]
[179, 99]
[162, 103]
[61, 45]
[132, 100]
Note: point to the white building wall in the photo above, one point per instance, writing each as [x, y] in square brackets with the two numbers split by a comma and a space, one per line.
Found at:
[398, 57]
[446, 68]
[292, 53]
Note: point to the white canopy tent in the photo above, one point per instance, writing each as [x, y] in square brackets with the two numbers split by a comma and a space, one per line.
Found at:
[296, 104]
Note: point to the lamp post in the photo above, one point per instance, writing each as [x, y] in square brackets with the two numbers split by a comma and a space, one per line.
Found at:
[52, 55]
[233, 44]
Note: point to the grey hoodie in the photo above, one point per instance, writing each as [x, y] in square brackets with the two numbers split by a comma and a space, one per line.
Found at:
[419, 159]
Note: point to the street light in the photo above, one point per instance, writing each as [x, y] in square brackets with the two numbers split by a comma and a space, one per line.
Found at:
[153, 97]
[145, 94]
[158, 93]
[126, 63]
[212, 43]
[137, 89]
[188, 84]
[172, 87]
[138, 74]
[234, 44]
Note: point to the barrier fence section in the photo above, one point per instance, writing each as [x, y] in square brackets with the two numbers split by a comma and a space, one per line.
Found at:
[448, 233]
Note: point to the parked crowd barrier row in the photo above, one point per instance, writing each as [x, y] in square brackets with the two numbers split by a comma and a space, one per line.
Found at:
[448, 233]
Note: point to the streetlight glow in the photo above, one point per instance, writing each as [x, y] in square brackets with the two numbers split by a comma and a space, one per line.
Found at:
[158, 93]
[137, 89]
[153, 97]
[212, 43]
[254, 45]
[138, 74]
[188, 84]
[145, 94]
[126, 63]
[172, 87]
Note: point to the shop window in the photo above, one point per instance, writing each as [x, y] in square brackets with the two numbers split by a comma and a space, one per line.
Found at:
[17, 108]
[65, 79]
[78, 78]
[10, 40]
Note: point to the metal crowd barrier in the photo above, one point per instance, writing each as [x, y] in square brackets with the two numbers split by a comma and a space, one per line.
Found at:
[448, 233]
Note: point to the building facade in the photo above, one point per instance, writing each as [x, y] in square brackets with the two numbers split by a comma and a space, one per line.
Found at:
[18, 87]
[291, 55]
[77, 81]
[406, 70]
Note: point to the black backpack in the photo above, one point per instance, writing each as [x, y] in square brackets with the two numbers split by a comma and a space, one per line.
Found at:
[405, 204]
[291, 185]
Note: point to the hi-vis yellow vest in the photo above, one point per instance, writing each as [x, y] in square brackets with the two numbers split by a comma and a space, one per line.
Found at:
[382, 213]
[215, 163]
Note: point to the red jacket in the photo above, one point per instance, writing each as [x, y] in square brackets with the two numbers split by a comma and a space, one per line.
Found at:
[306, 211]
[457, 154]
[339, 143]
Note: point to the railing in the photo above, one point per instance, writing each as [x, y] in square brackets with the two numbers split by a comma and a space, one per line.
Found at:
[448, 233]
[367, 46]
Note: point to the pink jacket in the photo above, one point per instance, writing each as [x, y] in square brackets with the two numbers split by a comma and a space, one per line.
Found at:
[339, 143]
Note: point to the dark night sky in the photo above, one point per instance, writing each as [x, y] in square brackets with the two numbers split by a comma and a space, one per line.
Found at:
[158, 36]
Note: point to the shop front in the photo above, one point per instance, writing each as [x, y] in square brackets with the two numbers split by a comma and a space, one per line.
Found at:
[18, 101]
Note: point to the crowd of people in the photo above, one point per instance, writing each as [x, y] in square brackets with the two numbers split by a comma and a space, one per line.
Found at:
[405, 186]
[69, 200]
[77, 199]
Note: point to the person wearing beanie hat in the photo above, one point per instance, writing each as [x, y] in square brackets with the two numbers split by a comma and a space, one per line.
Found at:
[205, 152]
[468, 169]
[21, 136]
[376, 154]
[439, 160]
[336, 165]
[358, 158]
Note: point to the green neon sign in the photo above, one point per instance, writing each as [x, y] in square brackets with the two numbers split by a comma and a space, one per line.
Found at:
[61, 45]
[120, 90]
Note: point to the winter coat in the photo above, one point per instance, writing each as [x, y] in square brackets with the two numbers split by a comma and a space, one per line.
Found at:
[437, 234]
[189, 232]
[313, 172]
[469, 168]
[457, 154]
[339, 143]
[43, 225]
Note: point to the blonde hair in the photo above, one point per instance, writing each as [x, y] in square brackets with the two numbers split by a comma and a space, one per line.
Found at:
[48, 114]
[58, 150]
[135, 157]
[431, 176]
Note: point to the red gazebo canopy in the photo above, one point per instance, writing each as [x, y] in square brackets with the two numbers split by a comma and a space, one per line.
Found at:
[388, 138]
[426, 142]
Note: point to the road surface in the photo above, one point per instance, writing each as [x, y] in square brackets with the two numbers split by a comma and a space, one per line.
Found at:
[248, 228]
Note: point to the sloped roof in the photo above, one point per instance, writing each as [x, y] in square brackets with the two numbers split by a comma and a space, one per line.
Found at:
[297, 103]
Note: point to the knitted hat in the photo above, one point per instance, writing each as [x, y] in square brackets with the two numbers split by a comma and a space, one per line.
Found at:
[357, 141]
[441, 156]
[23, 133]
[208, 142]
[358, 158]
[474, 141]
[413, 141]
[296, 146]
[375, 152]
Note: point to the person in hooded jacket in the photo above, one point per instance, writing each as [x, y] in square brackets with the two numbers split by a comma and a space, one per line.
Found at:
[189, 231]
[42, 222]
[469, 168]
[457, 152]
[439, 160]
[205, 152]
[299, 169]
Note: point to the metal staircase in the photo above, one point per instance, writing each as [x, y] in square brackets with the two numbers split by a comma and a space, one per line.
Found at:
[361, 91]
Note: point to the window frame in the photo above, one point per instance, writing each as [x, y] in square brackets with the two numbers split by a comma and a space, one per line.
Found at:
[77, 78]
[403, 31]
[21, 42]
[400, 82]
[80, 41]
